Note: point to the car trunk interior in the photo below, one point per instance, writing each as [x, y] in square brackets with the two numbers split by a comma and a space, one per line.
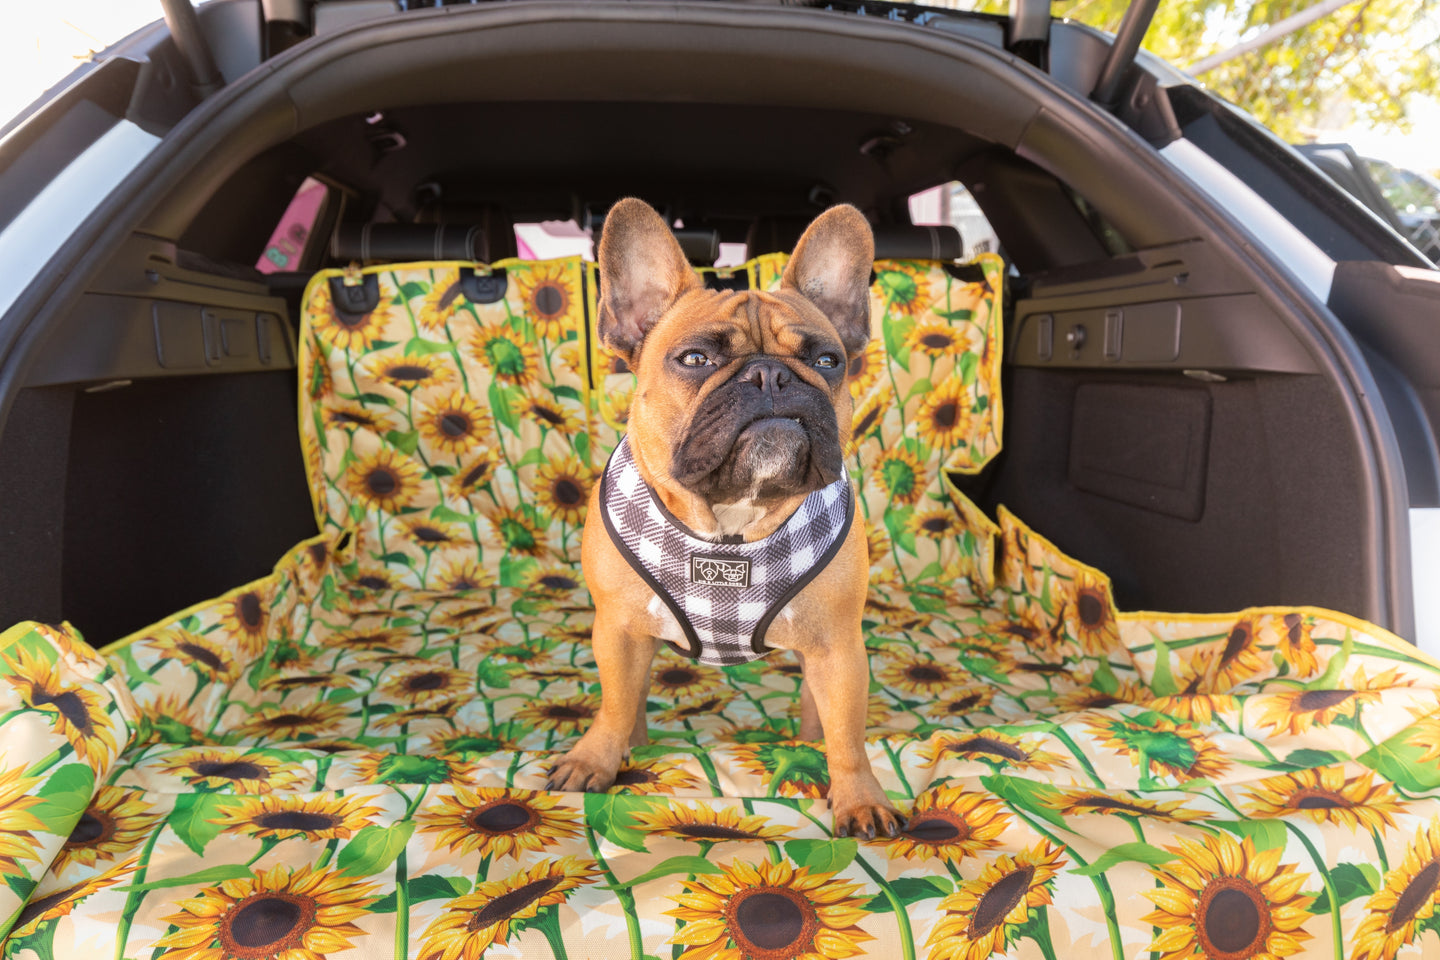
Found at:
[1203, 470]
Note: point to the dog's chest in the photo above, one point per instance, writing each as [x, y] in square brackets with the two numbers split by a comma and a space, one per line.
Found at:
[664, 626]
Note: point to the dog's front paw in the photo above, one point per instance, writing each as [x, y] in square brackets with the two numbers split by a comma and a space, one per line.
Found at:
[864, 812]
[578, 773]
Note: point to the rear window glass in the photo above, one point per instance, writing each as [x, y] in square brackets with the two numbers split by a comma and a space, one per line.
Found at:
[952, 205]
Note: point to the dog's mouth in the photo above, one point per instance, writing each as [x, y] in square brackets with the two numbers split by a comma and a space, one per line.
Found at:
[742, 443]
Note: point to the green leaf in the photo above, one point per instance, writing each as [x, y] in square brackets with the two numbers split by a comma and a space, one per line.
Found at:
[1104, 678]
[566, 391]
[404, 442]
[379, 398]
[413, 289]
[1264, 834]
[923, 385]
[953, 315]
[1305, 758]
[896, 522]
[500, 405]
[448, 515]
[1162, 682]
[422, 888]
[582, 446]
[1399, 762]
[894, 330]
[192, 816]
[532, 457]
[374, 848]
[609, 814]
[969, 364]
[64, 797]
[673, 865]
[1352, 881]
[514, 569]
[823, 856]
[208, 876]
[1037, 927]
[1025, 795]
[417, 347]
[492, 674]
[1125, 853]
[910, 890]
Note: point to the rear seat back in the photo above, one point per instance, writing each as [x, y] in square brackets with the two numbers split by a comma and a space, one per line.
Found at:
[445, 418]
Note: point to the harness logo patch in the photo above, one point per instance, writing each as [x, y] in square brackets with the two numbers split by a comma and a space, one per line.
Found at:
[719, 571]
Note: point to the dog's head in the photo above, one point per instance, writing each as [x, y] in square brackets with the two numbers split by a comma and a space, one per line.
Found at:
[742, 394]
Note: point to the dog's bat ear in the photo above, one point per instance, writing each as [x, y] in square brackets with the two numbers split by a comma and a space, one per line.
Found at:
[643, 272]
[831, 268]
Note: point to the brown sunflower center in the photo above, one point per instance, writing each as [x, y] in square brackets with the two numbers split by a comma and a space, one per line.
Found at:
[549, 300]
[550, 416]
[505, 816]
[1321, 699]
[230, 769]
[1238, 640]
[771, 922]
[304, 821]
[408, 372]
[1233, 919]
[1293, 625]
[989, 745]
[477, 475]
[1413, 898]
[925, 673]
[632, 777]
[94, 828]
[350, 418]
[1111, 803]
[510, 903]
[999, 900]
[69, 705]
[714, 831]
[1318, 800]
[964, 704]
[1091, 608]
[382, 481]
[350, 321]
[1096, 700]
[558, 581]
[429, 534]
[196, 652]
[266, 925]
[936, 340]
[425, 682]
[678, 677]
[866, 422]
[247, 607]
[936, 827]
[567, 492]
[945, 415]
[372, 582]
[42, 905]
[936, 524]
[454, 424]
[564, 711]
[289, 720]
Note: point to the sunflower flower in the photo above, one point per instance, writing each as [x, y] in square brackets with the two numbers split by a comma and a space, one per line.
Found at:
[495, 822]
[981, 916]
[471, 924]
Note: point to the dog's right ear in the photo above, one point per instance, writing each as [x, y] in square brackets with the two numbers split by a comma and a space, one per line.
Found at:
[643, 272]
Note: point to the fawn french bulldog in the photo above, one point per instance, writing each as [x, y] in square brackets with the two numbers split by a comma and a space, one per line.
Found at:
[725, 525]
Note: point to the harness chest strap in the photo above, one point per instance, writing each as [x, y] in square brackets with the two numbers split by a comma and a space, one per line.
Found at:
[723, 594]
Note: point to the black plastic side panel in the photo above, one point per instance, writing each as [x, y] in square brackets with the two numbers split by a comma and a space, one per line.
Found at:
[1279, 483]
[178, 490]
[33, 459]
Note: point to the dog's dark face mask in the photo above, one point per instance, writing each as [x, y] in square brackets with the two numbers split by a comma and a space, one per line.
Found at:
[742, 394]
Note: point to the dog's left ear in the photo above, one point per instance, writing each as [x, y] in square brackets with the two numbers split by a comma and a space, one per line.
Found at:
[643, 272]
[831, 268]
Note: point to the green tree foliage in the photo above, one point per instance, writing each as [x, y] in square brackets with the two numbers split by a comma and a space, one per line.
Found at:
[1372, 53]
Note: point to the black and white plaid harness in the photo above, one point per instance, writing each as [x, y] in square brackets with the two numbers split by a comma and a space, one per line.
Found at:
[724, 593]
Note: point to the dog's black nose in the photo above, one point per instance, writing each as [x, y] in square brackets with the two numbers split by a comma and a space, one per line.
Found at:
[769, 376]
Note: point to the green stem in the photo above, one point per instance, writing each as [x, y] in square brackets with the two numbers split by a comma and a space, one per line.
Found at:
[1070, 745]
[550, 926]
[907, 938]
[1326, 879]
[132, 900]
[625, 895]
[402, 908]
[1380, 852]
[1102, 885]
[328, 852]
[45, 764]
[899, 771]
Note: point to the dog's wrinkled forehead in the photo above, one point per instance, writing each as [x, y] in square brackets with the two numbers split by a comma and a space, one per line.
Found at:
[645, 282]
[743, 323]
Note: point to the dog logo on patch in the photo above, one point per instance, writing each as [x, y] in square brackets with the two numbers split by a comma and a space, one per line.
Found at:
[719, 571]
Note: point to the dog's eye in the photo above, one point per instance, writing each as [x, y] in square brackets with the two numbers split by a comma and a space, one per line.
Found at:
[827, 361]
[694, 358]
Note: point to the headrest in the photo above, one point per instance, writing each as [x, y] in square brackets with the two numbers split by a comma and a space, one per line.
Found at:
[892, 242]
[399, 242]
[701, 247]
[774, 235]
[909, 242]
